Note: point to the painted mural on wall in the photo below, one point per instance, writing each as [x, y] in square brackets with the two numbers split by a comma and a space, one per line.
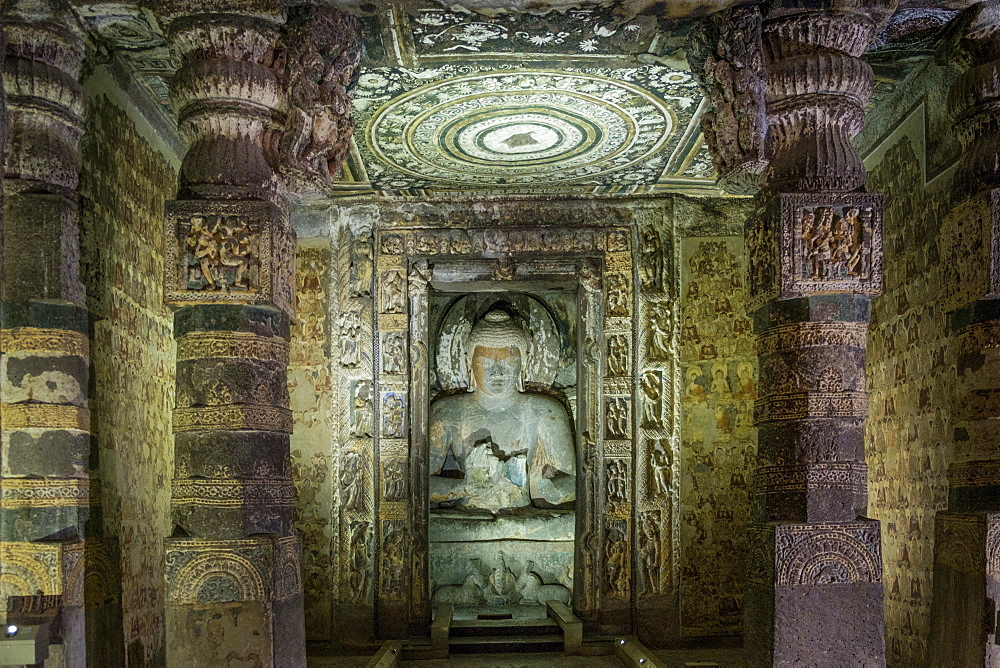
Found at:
[718, 447]
[124, 184]
[310, 389]
[911, 377]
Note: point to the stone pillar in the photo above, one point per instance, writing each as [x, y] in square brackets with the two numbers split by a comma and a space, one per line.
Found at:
[257, 96]
[967, 535]
[49, 502]
[814, 245]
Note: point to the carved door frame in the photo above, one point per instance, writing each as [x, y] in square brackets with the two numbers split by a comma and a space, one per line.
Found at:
[598, 260]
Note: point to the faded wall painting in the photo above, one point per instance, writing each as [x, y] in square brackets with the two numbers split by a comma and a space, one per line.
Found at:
[719, 443]
[124, 184]
[911, 378]
[310, 387]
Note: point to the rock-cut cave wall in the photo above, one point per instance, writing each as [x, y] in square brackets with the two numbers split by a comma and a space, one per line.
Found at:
[127, 176]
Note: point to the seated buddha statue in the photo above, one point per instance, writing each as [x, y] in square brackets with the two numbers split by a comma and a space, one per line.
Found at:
[496, 447]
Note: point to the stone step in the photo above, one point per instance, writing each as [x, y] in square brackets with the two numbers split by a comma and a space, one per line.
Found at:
[524, 644]
[464, 628]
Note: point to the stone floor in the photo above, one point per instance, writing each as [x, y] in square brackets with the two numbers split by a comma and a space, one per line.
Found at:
[723, 658]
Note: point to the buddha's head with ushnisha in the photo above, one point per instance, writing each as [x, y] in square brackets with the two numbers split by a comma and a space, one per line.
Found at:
[495, 351]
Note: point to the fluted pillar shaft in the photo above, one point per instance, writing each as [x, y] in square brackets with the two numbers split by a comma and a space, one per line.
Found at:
[814, 257]
[252, 81]
[967, 535]
[49, 501]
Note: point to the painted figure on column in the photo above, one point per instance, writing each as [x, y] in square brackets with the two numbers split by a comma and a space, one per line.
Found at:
[497, 447]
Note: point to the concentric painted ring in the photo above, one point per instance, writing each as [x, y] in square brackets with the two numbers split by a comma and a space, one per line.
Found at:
[519, 127]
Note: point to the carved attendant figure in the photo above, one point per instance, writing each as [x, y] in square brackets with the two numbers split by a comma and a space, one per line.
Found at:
[497, 447]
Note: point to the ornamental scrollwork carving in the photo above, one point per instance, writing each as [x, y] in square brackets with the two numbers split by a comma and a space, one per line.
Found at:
[727, 58]
[319, 62]
[821, 554]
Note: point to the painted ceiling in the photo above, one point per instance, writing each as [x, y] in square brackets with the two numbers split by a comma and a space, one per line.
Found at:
[570, 100]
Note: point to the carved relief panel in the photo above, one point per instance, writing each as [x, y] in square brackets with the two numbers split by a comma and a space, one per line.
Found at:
[228, 252]
[831, 243]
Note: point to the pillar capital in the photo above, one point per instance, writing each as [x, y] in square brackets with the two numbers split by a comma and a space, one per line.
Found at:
[974, 98]
[788, 90]
[263, 96]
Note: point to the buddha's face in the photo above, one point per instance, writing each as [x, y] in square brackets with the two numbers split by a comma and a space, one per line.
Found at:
[496, 370]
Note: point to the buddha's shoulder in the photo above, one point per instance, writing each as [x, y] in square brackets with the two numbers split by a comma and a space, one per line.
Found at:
[443, 406]
[540, 403]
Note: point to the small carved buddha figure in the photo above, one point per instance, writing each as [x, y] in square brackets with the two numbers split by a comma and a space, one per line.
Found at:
[497, 447]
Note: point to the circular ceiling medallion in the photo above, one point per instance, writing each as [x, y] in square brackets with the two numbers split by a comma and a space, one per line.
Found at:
[521, 127]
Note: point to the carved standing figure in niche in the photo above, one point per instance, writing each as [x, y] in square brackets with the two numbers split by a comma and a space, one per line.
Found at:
[361, 266]
[660, 469]
[651, 261]
[618, 294]
[350, 480]
[617, 356]
[660, 329]
[496, 447]
[392, 353]
[393, 291]
[652, 390]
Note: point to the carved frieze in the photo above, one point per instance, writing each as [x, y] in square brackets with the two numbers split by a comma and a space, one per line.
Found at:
[242, 345]
[49, 493]
[781, 407]
[210, 418]
[41, 340]
[225, 252]
[44, 416]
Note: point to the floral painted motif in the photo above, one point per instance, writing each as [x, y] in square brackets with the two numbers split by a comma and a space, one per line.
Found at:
[437, 32]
